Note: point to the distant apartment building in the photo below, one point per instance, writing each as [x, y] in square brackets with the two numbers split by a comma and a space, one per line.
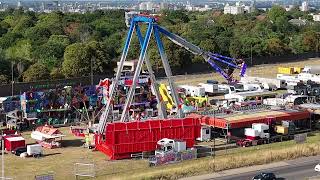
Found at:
[304, 6]
[238, 9]
[147, 6]
[289, 8]
[316, 17]
[233, 9]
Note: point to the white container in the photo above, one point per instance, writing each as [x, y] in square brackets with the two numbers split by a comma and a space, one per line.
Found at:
[260, 127]
[193, 90]
[180, 146]
[210, 88]
[35, 149]
[264, 135]
[251, 132]
[205, 133]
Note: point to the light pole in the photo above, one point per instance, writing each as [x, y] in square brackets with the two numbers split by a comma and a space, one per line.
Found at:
[2, 156]
[214, 140]
[91, 70]
[12, 78]
[251, 54]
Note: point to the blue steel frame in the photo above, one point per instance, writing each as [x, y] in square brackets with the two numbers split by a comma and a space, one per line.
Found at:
[144, 42]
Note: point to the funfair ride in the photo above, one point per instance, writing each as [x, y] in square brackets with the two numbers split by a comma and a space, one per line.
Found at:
[214, 59]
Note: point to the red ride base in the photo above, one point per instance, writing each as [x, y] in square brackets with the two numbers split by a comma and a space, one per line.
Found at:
[125, 138]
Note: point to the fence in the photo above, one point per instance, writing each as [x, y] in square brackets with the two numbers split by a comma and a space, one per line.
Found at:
[84, 170]
[20, 87]
[224, 111]
[5, 178]
[172, 157]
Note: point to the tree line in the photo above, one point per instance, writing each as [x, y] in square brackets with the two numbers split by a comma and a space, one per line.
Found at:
[42, 46]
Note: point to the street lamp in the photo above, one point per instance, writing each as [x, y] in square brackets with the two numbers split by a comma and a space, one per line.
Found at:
[251, 54]
[91, 70]
[12, 79]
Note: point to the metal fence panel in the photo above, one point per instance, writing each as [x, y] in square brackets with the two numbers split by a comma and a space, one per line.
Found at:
[84, 170]
[48, 176]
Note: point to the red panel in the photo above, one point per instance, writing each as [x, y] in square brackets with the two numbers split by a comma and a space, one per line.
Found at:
[215, 122]
[12, 145]
[123, 139]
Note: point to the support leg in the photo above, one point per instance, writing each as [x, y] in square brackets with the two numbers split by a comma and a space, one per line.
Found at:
[137, 72]
[167, 69]
[161, 109]
[104, 116]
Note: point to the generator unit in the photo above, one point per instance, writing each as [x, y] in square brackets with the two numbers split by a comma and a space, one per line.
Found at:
[310, 88]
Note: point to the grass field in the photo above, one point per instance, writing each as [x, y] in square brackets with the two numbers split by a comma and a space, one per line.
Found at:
[61, 161]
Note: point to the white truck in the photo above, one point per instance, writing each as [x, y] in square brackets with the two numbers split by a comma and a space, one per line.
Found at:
[308, 73]
[257, 134]
[258, 130]
[170, 151]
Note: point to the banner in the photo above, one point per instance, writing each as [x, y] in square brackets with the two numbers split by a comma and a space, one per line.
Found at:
[172, 157]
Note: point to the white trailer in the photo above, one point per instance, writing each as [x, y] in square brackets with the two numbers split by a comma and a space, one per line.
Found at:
[250, 95]
[173, 145]
[267, 83]
[210, 88]
[241, 87]
[226, 89]
[193, 90]
[34, 150]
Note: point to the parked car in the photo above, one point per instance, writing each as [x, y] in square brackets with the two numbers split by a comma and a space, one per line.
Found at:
[19, 151]
[317, 168]
[265, 176]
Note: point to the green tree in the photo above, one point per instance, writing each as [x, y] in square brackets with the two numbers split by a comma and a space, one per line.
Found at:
[311, 40]
[56, 73]
[276, 12]
[38, 35]
[102, 62]
[275, 46]
[59, 39]
[4, 79]
[9, 39]
[36, 72]
[21, 50]
[296, 44]
[23, 23]
[52, 22]
[226, 21]
[76, 60]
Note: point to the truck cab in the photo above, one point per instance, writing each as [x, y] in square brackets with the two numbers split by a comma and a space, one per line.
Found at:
[166, 145]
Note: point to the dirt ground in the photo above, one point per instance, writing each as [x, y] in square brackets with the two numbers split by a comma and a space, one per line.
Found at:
[61, 162]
